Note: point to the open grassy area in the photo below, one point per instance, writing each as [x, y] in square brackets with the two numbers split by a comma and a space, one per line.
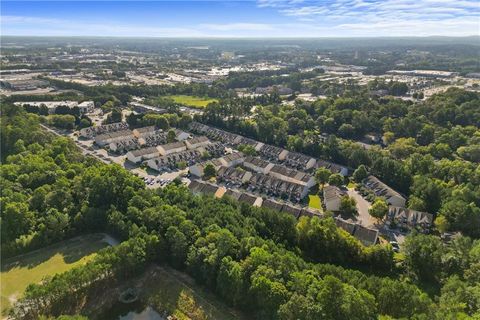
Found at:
[192, 101]
[314, 202]
[167, 291]
[20, 271]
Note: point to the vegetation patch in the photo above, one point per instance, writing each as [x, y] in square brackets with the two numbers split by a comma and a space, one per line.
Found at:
[20, 271]
[314, 202]
[192, 101]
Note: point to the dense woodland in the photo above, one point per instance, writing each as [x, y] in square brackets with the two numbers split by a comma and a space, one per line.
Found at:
[262, 262]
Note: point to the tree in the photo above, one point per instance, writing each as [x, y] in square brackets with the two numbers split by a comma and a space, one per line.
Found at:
[346, 130]
[379, 209]
[360, 173]
[423, 256]
[348, 206]
[171, 136]
[322, 174]
[441, 223]
[336, 179]
[209, 171]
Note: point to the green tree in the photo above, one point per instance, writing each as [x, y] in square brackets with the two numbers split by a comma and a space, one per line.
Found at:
[322, 174]
[423, 256]
[379, 209]
[348, 206]
[360, 173]
[336, 179]
[209, 171]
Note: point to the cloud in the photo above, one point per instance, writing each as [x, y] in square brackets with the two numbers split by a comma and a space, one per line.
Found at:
[399, 17]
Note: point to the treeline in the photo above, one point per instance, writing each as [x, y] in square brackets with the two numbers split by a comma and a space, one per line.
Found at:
[260, 261]
[431, 149]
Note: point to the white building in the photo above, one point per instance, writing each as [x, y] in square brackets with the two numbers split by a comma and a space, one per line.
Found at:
[173, 147]
[137, 156]
[331, 197]
[197, 142]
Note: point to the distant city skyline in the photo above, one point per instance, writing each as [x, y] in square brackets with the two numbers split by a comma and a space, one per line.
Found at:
[262, 18]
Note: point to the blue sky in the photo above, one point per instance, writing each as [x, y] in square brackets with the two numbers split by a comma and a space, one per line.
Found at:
[261, 18]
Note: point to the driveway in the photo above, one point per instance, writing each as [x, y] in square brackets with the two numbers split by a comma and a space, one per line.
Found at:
[363, 205]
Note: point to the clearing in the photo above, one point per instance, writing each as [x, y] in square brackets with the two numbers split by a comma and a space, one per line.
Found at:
[192, 101]
[168, 292]
[315, 202]
[20, 271]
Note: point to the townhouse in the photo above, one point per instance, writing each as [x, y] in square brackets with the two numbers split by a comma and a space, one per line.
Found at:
[197, 142]
[272, 153]
[139, 155]
[116, 136]
[409, 219]
[299, 161]
[233, 175]
[172, 147]
[292, 175]
[332, 196]
[170, 161]
[90, 132]
[333, 167]
[257, 164]
[380, 189]
[366, 236]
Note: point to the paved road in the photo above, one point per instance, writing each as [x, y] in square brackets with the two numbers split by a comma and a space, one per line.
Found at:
[363, 205]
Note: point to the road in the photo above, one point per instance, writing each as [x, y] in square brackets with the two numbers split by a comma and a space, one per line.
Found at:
[363, 205]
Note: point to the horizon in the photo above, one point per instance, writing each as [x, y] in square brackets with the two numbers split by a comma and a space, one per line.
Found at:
[260, 19]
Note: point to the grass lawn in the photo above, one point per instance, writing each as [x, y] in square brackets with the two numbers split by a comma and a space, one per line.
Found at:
[20, 271]
[351, 185]
[314, 202]
[192, 101]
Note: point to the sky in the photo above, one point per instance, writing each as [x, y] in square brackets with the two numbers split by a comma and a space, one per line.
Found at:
[260, 18]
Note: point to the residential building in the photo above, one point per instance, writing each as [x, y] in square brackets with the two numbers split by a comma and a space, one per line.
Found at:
[143, 131]
[86, 107]
[124, 145]
[409, 219]
[257, 164]
[380, 189]
[292, 175]
[173, 147]
[366, 236]
[272, 153]
[332, 196]
[299, 161]
[196, 142]
[170, 161]
[107, 138]
[333, 167]
[90, 132]
[233, 175]
[139, 155]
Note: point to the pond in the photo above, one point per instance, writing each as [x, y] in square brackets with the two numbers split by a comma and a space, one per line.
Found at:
[147, 314]
[131, 311]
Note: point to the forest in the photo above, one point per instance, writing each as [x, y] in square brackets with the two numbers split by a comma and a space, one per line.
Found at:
[262, 262]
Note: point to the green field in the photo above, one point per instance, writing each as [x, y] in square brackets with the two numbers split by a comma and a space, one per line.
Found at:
[20, 271]
[192, 101]
[314, 202]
